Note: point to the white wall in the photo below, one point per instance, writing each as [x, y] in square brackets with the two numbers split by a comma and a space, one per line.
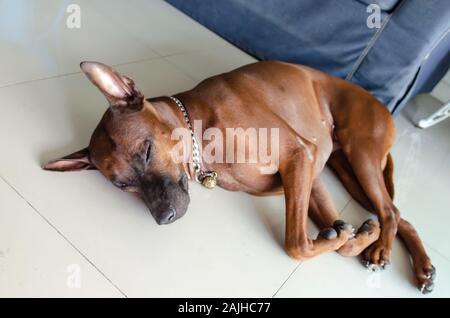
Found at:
[442, 89]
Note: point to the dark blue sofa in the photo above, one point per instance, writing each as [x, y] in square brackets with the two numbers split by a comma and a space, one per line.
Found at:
[407, 55]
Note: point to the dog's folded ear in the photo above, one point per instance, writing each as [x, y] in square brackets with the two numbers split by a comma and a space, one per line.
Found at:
[76, 161]
[119, 90]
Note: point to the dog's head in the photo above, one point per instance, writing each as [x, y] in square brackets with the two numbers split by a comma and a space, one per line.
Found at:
[131, 147]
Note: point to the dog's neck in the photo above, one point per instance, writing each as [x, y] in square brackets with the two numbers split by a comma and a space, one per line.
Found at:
[169, 113]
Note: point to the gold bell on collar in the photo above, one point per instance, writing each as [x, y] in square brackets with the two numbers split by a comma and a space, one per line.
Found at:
[209, 180]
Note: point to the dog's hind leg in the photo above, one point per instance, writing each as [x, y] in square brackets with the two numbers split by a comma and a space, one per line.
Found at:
[323, 213]
[424, 270]
[366, 162]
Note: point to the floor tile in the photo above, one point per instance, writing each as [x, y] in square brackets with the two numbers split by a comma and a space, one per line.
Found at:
[331, 275]
[36, 261]
[36, 43]
[203, 64]
[159, 25]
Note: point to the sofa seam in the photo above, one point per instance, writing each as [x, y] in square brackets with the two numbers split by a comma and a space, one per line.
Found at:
[371, 43]
[411, 86]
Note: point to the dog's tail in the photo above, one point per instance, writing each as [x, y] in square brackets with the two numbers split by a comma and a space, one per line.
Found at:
[388, 174]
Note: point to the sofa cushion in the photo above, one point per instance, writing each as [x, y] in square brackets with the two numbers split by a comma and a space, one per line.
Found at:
[386, 5]
[333, 36]
[391, 65]
[311, 32]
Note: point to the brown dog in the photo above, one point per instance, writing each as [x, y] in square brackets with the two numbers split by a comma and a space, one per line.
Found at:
[321, 120]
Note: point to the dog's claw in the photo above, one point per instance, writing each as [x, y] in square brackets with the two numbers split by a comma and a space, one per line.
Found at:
[374, 267]
[364, 228]
[427, 288]
[428, 285]
[371, 267]
[341, 225]
[433, 273]
[328, 233]
[384, 264]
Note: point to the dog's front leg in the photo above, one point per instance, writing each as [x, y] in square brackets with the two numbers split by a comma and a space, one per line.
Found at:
[297, 175]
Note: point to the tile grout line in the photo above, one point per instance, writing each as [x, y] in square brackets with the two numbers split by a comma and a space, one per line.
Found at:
[345, 206]
[158, 56]
[39, 79]
[64, 237]
[154, 58]
[157, 51]
[285, 281]
[79, 72]
[436, 251]
[195, 80]
[296, 268]
[168, 57]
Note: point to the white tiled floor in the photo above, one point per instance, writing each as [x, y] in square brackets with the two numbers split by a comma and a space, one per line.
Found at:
[37, 261]
[56, 226]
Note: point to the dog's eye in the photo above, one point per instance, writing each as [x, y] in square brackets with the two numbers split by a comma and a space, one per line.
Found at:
[121, 185]
[148, 153]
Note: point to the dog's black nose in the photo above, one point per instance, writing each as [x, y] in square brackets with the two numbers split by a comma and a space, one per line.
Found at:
[167, 216]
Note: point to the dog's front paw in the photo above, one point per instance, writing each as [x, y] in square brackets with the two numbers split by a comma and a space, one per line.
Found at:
[342, 227]
[426, 275]
[365, 236]
[377, 256]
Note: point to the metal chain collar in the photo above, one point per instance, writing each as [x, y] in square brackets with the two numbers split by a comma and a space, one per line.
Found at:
[207, 178]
